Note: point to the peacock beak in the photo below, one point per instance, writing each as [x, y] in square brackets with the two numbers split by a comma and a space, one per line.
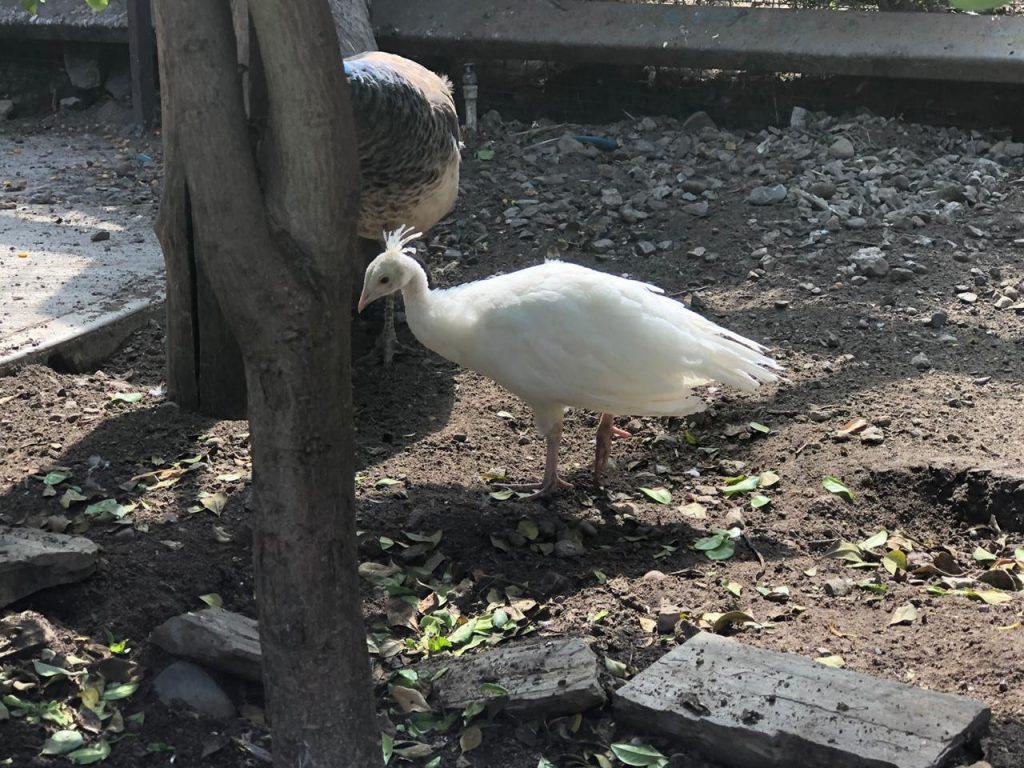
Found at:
[362, 302]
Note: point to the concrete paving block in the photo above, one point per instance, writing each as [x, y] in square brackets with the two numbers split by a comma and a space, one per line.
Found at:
[751, 708]
[80, 265]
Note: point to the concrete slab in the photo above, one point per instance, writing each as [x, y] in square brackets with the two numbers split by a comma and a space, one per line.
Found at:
[80, 266]
[747, 707]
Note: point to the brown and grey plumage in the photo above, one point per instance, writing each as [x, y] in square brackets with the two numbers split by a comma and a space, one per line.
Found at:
[407, 131]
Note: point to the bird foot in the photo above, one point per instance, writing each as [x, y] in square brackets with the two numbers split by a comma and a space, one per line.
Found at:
[604, 445]
[385, 349]
[541, 489]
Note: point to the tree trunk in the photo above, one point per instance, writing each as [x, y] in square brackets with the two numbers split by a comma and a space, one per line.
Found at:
[273, 257]
[204, 364]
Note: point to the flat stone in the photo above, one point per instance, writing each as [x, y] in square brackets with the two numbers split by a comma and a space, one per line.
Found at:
[184, 684]
[838, 587]
[569, 144]
[872, 436]
[32, 560]
[22, 634]
[870, 261]
[697, 122]
[798, 117]
[842, 148]
[746, 707]
[542, 677]
[901, 274]
[6, 108]
[776, 193]
[967, 297]
[222, 640]
[83, 70]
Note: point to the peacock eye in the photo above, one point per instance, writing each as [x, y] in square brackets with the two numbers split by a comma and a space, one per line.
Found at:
[385, 280]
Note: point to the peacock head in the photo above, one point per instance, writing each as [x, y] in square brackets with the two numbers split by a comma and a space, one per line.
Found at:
[391, 270]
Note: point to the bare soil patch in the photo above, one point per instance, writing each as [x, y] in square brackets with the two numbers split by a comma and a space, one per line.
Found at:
[936, 375]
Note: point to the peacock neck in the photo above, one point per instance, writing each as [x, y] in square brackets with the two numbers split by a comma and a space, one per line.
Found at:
[415, 293]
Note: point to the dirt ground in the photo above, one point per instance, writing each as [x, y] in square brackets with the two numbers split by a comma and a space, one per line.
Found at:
[927, 350]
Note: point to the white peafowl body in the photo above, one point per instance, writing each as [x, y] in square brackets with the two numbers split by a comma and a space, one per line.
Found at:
[559, 335]
[407, 131]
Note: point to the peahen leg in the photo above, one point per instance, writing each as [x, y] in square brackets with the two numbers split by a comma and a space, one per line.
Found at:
[552, 482]
[388, 345]
[605, 430]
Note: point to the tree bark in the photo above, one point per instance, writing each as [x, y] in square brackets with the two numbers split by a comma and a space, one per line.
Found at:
[273, 258]
[352, 20]
[204, 365]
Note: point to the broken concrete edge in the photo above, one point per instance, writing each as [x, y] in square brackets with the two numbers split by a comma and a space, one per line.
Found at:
[86, 346]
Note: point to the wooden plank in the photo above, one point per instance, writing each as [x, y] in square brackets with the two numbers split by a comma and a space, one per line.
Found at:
[142, 56]
[931, 46]
[749, 708]
[545, 677]
[64, 20]
[215, 638]
[936, 46]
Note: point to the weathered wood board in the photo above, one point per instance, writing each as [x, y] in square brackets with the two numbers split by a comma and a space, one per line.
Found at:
[554, 676]
[751, 708]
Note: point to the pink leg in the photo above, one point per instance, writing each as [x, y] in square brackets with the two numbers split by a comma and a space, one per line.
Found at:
[552, 482]
[605, 430]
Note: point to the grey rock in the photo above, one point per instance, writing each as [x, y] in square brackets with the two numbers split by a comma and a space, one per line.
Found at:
[872, 436]
[921, 361]
[697, 122]
[491, 121]
[826, 190]
[667, 620]
[602, 246]
[700, 209]
[611, 197]
[1003, 302]
[901, 274]
[798, 117]
[119, 83]
[83, 70]
[6, 108]
[183, 684]
[838, 587]
[967, 297]
[223, 640]
[767, 195]
[870, 261]
[568, 144]
[1013, 149]
[72, 102]
[32, 560]
[938, 319]
[646, 247]
[842, 148]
